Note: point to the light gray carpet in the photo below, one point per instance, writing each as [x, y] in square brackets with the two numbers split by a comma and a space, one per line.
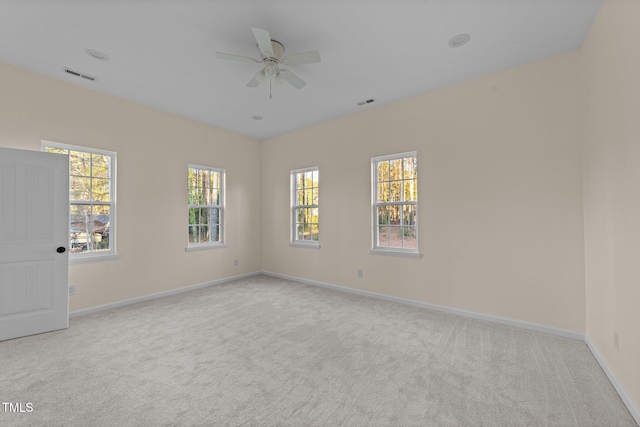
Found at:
[267, 352]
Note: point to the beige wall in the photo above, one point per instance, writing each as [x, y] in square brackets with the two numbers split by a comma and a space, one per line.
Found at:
[610, 65]
[500, 198]
[153, 151]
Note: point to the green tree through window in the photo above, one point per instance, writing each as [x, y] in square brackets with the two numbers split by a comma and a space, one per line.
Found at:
[206, 205]
[305, 205]
[395, 205]
[91, 197]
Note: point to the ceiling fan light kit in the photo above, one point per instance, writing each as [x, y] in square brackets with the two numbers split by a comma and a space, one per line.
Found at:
[271, 52]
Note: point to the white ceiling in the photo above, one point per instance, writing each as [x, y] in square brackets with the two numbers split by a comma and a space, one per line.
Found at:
[162, 53]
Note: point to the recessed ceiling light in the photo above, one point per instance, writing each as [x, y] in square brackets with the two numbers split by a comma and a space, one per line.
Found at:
[96, 54]
[459, 40]
[256, 117]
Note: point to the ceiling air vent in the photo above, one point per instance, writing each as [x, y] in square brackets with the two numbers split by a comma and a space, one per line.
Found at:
[77, 74]
[368, 101]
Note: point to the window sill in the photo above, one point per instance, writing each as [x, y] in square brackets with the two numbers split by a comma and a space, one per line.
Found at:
[204, 247]
[396, 253]
[85, 259]
[307, 245]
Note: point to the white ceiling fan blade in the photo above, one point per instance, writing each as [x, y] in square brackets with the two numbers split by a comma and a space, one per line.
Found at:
[233, 57]
[264, 42]
[302, 58]
[295, 81]
[257, 79]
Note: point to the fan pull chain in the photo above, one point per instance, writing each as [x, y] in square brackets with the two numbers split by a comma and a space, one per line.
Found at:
[269, 89]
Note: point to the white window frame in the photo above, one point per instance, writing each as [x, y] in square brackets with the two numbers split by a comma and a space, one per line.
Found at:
[93, 255]
[221, 207]
[375, 247]
[294, 240]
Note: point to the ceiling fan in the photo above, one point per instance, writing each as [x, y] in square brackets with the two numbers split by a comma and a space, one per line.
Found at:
[271, 56]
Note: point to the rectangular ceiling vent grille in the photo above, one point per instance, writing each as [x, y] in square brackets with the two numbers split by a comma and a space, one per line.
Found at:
[368, 101]
[77, 74]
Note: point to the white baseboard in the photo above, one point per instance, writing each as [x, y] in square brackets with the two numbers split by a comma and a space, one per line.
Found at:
[158, 295]
[631, 406]
[471, 314]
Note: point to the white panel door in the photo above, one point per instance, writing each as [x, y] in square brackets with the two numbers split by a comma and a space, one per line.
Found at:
[34, 236]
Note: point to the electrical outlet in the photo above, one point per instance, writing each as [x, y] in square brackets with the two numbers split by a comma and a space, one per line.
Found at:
[235, 262]
[72, 289]
[616, 340]
[360, 272]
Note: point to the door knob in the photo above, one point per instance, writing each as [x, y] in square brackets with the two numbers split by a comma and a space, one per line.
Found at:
[61, 249]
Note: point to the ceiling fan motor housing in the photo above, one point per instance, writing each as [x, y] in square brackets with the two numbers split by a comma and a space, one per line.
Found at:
[278, 50]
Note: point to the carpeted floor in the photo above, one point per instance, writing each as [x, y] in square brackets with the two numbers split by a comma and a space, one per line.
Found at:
[268, 352]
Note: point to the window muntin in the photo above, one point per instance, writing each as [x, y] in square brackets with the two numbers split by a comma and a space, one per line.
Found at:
[91, 199]
[305, 188]
[395, 202]
[206, 205]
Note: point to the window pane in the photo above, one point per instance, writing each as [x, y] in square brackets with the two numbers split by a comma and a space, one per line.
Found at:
[79, 227]
[204, 233]
[395, 169]
[204, 216]
[409, 234]
[315, 196]
[383, 192]
[215, 179]
[194, 216]
[410, 168]
[383, 215]
[411, 190]
[300, 197]
[308, 197]
[100, 165]
[203, 178]
[192, 195]
[395, 237]
[383, 171]
[395, 191]
[79, 163]
[315, 178]
[215, 216]
[394, 214]
[314, 232]
[383, 236]
[80, 188]
[214, 197]
[193, 234]
[409, 215]
[100, 189]
[100, 227]
[55, 150]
